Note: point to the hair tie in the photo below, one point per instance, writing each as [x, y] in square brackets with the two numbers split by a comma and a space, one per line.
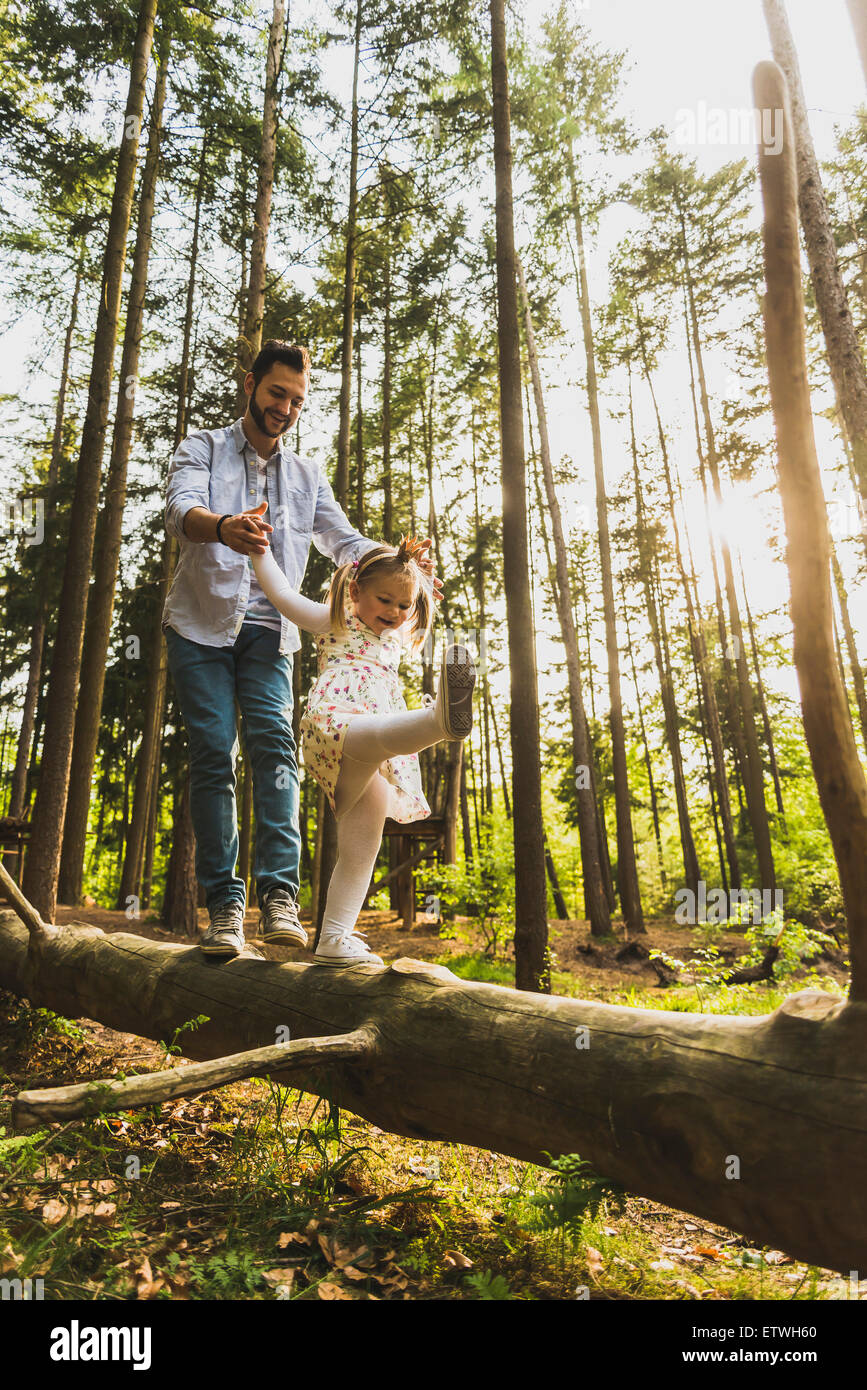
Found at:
[355, 564]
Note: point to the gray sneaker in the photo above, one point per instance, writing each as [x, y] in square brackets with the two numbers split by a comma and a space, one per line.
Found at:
[225, 935]
[278, 919]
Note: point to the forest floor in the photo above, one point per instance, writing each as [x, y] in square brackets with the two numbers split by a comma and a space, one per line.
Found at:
[258, 1191]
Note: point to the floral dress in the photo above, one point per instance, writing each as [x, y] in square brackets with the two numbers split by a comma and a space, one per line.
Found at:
[358, 675]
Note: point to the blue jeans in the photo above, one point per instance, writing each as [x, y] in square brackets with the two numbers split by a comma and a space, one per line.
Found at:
[207, 681]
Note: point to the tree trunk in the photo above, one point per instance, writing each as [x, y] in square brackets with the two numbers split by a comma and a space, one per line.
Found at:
[707, 691]
[651, 781]
[341, 477]
[841, 343]
[743, 719]
[656, 616]
[531, 899]
[18, 790]
[181, 897]
[763, 706]
[671, 1106]
[43, 860]
[838, 772]
[387, 490]
[100, 603]
[858, 15]
[252, 339]
[359, 433]
[582, 752]
[147, 765]
[556, 892]
[851, 645]
[627, 872]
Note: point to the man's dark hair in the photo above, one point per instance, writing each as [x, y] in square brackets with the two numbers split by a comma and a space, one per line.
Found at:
[294, 356]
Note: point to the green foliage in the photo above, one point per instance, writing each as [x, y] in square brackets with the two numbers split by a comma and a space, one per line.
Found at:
[796, 944]
[576, 1194]
[488, 1287]
[173, 1048]
[484, 889]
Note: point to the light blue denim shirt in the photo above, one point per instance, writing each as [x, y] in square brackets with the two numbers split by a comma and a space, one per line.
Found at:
[216, 469]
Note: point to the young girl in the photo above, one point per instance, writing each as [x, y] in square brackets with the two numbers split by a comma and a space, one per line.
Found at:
[359, 739]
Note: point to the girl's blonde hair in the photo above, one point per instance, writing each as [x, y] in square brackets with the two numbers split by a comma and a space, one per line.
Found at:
[400, 559]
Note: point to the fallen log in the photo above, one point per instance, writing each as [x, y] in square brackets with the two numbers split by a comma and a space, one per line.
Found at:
[758, 1124]
[59, 1104]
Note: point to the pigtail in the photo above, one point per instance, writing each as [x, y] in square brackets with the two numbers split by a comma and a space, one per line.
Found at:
[337, 597]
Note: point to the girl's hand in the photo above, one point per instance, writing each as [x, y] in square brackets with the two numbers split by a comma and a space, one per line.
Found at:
[425, 564]
[246, 532]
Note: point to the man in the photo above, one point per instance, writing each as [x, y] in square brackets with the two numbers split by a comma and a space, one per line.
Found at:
[225, 640]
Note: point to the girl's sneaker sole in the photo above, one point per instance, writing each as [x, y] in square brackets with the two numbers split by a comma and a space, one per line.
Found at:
[459, 677]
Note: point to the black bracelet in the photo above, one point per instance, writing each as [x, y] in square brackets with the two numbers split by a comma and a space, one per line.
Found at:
[219, 524]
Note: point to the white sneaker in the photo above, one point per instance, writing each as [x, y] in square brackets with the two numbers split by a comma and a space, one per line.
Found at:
[345, 948]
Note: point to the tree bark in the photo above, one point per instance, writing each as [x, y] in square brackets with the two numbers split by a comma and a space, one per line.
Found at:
[707, 692]
[100, 603]
[827, 724]
[858, 16]
[341, 477]
[627, 871]
[18, 789]
[742, 709]
[582, 752]
[841, 342]
[656, 617]
[531, 899]
[181, 898]
[851, 645]
[255, 312]
[671, 1106]
[43, 860]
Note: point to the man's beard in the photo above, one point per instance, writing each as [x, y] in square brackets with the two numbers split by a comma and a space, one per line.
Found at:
[261, 419]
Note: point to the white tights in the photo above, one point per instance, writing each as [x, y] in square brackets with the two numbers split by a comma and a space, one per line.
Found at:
[362, 799]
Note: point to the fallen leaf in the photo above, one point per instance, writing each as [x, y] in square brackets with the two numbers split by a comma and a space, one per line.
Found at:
[53, 1212]
[709, 1251]
[328, 1290]
[291, 1238]
[456, 1259]
[146, 1286]
[279, 1278]
[104, 1211]
[777, 1257]
[344, 1254]
[366, 1260]
[349, 1270]
[9, 1260]
[595, 1263]
[662, 1264]
[169, 1206]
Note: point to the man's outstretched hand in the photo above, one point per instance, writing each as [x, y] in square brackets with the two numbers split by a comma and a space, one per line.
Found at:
[426, 565]
[246, 532]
